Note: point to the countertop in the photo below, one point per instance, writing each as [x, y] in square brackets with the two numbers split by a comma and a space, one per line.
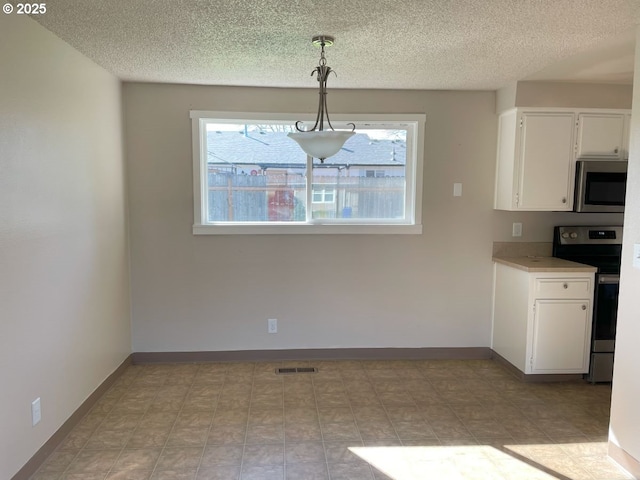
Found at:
[543, 264]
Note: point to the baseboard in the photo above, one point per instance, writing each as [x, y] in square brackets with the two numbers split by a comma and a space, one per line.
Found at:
[470, 353]
[626, 461]
[56, 439]
[534, 378]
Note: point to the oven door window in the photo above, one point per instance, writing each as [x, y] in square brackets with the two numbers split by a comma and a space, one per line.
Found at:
[606, 311]
[605, 188]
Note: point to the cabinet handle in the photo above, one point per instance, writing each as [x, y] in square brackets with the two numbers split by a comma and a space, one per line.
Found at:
[565, 285]
[564, 200]
[616, 150]
[584, 307]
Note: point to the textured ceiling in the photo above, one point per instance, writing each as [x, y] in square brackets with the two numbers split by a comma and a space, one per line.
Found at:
[399, 44]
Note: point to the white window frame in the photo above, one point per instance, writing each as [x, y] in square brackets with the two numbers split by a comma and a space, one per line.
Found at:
[411, 224]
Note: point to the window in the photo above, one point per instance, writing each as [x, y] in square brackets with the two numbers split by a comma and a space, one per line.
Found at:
[323, 195]
[374, 173]
[249, 177]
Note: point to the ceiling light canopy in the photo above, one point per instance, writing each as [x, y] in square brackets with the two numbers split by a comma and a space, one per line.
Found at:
[318, 142]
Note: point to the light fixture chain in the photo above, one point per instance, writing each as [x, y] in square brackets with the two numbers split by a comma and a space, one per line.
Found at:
[323, 60]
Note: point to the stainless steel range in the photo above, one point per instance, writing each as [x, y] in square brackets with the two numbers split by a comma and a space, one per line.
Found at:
[600, 247]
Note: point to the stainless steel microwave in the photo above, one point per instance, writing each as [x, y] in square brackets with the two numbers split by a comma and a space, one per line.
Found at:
[600, 186]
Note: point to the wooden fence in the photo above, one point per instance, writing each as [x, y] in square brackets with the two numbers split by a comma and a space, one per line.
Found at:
[263, 198]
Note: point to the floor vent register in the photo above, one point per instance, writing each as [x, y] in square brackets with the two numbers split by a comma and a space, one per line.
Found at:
[293, 370]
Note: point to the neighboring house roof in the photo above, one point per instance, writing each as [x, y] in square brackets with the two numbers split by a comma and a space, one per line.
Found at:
[276, 150]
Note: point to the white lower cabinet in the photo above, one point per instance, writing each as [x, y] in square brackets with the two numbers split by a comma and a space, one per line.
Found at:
[560, 336]
[542, 320]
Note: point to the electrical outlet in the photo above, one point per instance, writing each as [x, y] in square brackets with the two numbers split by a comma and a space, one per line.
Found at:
[516, 230]
[272, 325]
[36, 412]
[636, 255]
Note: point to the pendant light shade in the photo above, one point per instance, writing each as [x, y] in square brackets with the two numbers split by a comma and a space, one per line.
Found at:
[318, 142]
[321, 143]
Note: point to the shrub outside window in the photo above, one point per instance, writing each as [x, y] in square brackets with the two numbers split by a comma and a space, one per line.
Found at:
[249, 177]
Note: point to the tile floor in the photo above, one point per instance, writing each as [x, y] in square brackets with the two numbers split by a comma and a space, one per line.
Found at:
[373, 420]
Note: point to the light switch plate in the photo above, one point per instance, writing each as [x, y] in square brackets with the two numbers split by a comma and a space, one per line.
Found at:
[636, 255]
[457, 189]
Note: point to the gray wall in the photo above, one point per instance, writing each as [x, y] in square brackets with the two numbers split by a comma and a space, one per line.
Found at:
[563, 94]
[215, 292]
[64, 283]
[195, 293]
[573, 95]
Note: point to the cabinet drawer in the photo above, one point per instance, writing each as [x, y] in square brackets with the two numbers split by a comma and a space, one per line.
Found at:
[563, 288]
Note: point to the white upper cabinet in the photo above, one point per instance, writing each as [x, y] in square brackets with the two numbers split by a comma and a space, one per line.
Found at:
[602, 136]
[546, 160]
[536, 160]
[538, 148]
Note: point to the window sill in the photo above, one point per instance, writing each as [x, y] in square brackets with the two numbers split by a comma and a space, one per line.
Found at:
[322, 229]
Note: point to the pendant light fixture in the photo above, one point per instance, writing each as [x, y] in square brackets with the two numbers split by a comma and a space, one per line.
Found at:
[318, 142]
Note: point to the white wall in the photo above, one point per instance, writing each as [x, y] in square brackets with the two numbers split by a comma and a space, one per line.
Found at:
[625, 411]
[64, 292]
[211, 293]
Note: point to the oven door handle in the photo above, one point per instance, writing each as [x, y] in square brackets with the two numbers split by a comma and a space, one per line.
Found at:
[608, 279]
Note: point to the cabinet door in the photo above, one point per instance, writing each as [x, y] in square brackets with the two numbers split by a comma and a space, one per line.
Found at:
[601, 135]
[546, 161]
[561, 334]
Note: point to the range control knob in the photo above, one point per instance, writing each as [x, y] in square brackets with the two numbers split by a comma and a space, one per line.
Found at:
[573, 235]
[565, 234]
